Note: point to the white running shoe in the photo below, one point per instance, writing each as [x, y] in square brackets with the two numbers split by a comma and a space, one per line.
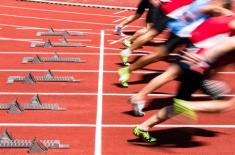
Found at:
[137, 106]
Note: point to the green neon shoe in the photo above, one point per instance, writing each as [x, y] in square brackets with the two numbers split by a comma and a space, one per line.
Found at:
[126, 43]
[124, 76]
[124, 55]
[180, 107]
[144, 135]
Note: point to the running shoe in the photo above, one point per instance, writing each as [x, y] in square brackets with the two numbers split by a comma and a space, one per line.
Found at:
[118, 29]
[126, 43]
[124, 55]
[180, 107]
[124, 76]
[144, 135]
[137, 106]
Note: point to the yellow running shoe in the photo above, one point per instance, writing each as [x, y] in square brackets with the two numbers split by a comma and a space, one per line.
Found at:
[124, 55]
[124, 76]
[144, 135]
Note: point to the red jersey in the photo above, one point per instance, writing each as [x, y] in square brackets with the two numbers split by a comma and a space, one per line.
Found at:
[212, 31]
[175, 8]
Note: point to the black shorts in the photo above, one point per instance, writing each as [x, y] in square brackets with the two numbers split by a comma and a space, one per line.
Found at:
[190, 82]
[174, 41]
[144, 4]
[157, 18]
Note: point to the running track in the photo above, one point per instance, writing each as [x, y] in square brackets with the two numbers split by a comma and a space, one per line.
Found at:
[98, 119]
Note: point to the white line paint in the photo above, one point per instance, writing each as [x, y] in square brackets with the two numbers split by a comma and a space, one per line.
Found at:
[98, 135]
[20, 39]
[95, 94]
[115, 21]
[119, 12]
[116, 41]
[83, 5]
[59, 20]
[57, 11]
[91, 71]
[35, 28]
[228, 126]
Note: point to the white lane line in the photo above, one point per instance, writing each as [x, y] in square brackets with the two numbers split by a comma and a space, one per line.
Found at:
[119, 40]
[59, 20]
[98, 133]
[116, 13]
[115, 21]
[21, 39]
[68, 12]
[68, 53]
[227, 126]
[40, 40]
[35, 28]
[104, 94]
[92, 71]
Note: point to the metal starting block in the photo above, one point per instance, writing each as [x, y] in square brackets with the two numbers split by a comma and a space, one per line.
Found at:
[34, 146]
[36, 104]
[55, 58]
[48, 77]
[51, 32]
[64, 43]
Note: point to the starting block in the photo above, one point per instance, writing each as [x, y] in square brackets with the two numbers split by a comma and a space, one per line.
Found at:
[64, 43]
[36, 104]
[55, 58]
[34, 146]
[51, 32]
[48, 77]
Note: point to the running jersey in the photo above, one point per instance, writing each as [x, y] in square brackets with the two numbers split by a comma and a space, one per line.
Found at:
[190, 20]
[175, 8]
[212, 31]
[209, 34]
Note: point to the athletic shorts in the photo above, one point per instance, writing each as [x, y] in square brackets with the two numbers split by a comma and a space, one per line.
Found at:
[174, 41]
[190, 82]
[158, 18]
[144, 4]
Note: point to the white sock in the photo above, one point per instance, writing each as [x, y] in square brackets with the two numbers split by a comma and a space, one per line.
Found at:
[126, 52]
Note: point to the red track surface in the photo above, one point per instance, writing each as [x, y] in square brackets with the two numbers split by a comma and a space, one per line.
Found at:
[77, 126]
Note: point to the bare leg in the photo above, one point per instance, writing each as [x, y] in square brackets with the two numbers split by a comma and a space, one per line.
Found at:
[140, 32]
[159, 117]
[141, 40]
[170, 74]
[129, 20]
[211, 106]
[158, 53]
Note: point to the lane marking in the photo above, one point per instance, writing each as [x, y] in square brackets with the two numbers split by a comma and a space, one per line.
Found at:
[83, 5]
[227, 126]
[60, 20]
[98, 135]
[68, 12]
[35, 28]
[104, 94]
[91, 71]
[119, 40]
[20, 39]
[115, 21]
[115, 13]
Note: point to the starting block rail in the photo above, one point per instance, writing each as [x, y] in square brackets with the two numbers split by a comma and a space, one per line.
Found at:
[52, 32]
[55, 58]
[64, 43]
[34, 146]
[36, 104]
[48, 77]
